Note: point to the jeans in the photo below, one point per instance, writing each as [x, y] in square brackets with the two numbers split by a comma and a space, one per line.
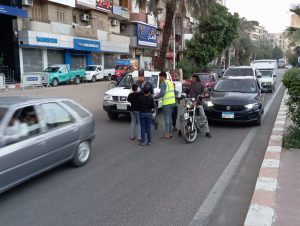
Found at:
[146, 119]
[167, 110]
[135, 125]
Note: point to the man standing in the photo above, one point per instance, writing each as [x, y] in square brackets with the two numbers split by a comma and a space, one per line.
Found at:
[167, 93]
[141, 83]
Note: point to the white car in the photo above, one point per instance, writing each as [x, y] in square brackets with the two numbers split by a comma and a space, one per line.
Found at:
[97, 72]
[243, 71]
[115, 100]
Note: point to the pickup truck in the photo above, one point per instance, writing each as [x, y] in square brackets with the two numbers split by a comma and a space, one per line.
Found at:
[115, 100]
[62, 74]
[97, 72]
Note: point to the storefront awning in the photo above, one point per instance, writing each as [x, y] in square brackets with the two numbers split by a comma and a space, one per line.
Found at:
[13, 11]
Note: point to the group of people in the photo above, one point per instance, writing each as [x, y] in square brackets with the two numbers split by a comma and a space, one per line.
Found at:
[142, 100]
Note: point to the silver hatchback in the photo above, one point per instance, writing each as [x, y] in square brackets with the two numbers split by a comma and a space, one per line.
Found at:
[37, 134]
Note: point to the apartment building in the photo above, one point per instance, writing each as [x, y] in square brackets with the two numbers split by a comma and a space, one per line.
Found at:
[280, 40]
[258, 32]
[295, 21]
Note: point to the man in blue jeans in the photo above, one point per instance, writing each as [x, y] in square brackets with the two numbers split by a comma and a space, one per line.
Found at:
[167, 93]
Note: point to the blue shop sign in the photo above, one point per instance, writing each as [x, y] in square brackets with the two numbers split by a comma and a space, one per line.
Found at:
[47, 40]
[13, 11]
[86, 45]
[146, 35]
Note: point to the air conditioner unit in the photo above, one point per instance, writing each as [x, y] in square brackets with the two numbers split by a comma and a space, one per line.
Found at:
[85, 17]
[114, 23]
[27, 2]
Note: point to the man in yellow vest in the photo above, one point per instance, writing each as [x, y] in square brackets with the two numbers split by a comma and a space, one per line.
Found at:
[167, 93]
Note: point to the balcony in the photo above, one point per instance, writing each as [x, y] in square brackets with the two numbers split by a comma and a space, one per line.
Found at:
[119, 13]
[138, 17]
[85, 32]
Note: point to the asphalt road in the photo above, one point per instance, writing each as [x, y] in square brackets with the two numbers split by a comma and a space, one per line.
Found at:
[126, 184]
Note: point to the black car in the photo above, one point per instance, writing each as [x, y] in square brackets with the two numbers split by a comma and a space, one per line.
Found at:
[237, 99]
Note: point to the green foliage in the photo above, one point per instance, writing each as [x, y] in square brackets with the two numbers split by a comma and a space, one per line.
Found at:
[292, 58]
[213, 34]
[277, 53]
[188, 67]
[292, 140]
[243, 51]
[291, 80]
[263, 49]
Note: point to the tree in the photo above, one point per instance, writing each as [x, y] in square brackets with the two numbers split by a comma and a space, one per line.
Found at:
[277, 53]
[199, 6]
[263, 49]
[214, 33]
[292, 58]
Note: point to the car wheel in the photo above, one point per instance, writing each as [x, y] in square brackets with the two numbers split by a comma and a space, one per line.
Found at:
[108, 78]
[258, 121]
[54, 82]
[82, 154]
[112, 116]
[77, 80]
[94, 79]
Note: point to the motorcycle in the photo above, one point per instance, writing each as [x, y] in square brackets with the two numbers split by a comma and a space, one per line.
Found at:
[191, 123]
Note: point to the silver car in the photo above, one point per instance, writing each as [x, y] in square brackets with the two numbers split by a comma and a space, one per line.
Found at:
[37, 134]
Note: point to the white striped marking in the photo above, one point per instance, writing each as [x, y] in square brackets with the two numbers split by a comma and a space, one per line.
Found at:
[274, 149]
[270, 163]
[266, 184]
[259, 215]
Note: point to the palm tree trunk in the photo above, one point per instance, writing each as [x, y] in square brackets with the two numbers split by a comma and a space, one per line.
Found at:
[170, 11]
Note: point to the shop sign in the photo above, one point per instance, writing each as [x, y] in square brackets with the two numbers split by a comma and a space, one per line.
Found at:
[47, 40]
[70, 3]
[86, 45]
[104, 5]
[13, 11]
[146, 35]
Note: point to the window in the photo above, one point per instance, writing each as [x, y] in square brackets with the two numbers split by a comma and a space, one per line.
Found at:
[80, 111]
[64, 70]
[60, 16]
[23, 124]
[74, 19]
[55, 57]
[37, 13]
[55, 115]
[32, 55]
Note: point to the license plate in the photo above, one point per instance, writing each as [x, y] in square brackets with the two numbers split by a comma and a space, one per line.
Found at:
[186, 115]
[121, 106]
[229, 115]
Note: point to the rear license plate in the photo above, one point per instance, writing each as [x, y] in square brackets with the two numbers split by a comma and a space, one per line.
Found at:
[229, 115]
[121, 106]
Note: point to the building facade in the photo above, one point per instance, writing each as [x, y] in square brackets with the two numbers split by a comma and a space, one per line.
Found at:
[295, 21]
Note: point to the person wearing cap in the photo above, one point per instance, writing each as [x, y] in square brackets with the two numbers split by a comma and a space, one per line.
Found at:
[167, 93]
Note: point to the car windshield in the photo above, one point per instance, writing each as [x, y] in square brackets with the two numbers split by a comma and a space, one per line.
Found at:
[90, 68]
[239, 72]
[51, 69]
[2, 113]
[127, 81]
[236, 85]
[120, 67]
[266, 73]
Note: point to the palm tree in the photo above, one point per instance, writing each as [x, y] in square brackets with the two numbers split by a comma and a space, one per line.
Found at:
[198, 7]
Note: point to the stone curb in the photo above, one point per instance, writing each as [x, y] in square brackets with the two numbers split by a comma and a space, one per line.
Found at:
[262, 208]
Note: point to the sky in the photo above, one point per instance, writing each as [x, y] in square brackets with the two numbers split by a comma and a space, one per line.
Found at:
[274, 15]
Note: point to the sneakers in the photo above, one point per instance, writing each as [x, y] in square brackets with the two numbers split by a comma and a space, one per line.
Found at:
[149, 144]
[142, 144]
[208, 135]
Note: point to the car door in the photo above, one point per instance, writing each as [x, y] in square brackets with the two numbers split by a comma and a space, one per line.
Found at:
[62, 132]
[22, 147]
[63, 74]
[99, 72]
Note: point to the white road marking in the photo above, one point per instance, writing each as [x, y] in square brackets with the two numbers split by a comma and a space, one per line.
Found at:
[259, 216]
[201, 218]
[266, 184]
[270, 163]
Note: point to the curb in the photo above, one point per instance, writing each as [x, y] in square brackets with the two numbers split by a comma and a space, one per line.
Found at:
[262, 208]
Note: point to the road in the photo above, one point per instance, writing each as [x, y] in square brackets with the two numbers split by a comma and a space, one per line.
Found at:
[166, 184]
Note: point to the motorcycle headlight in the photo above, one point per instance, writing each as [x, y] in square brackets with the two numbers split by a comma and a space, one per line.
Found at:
[108, 97]
[251, 106]
[189, 104]
[209, 104]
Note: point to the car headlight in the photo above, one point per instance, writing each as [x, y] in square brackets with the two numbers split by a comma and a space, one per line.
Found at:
[209, 103]
[251, 106]
[189, 104]
[107, 97]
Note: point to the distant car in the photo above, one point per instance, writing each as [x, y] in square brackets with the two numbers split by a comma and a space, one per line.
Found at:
[245, 71]
[288, 66]
[208, 80]
[236, 99]
[38, 134]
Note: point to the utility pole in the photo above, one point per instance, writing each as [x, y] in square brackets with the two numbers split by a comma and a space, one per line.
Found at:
[174, 45]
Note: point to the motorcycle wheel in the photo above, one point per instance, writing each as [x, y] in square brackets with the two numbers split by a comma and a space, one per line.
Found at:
[188, 134]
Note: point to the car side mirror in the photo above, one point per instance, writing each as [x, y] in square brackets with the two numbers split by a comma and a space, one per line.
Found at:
[258, 76]
[274, 75]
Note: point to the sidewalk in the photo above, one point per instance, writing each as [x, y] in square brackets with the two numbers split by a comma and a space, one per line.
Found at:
[276, 198]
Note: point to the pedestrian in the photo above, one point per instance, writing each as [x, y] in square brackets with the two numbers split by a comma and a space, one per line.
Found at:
[146, 106]
[142, 82]
[133, 99]
[167, 93]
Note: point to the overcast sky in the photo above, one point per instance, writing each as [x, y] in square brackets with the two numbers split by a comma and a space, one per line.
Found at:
[274, 15]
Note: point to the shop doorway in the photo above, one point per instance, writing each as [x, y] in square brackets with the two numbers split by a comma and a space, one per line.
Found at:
[79, 61]
[9, 51]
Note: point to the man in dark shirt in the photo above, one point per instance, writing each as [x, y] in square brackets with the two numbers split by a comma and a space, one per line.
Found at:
[142, 82]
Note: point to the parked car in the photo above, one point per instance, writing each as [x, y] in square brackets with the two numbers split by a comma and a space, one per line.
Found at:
[60, 73]
[115, 100]
[236, 99]
[97, 72]
[38, 134]
[208, 80]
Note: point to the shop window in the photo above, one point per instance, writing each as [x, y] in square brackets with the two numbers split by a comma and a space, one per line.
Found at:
[97, 58]
[60, 16]
[55, 57]
[78, 61]
[32, 60]
[109, 60]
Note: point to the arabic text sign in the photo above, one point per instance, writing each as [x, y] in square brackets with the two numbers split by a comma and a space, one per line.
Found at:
[146, 35]
[104, 5]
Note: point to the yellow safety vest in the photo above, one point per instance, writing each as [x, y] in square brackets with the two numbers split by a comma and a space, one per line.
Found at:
[169, 97]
